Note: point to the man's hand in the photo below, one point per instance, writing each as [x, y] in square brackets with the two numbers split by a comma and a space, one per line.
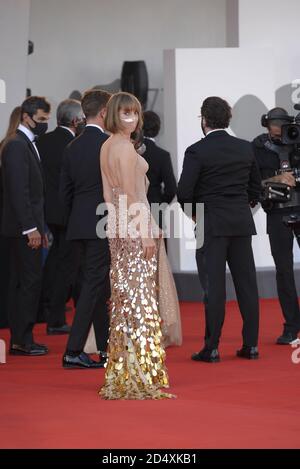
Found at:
[285, 178]
[253, 203]
[34, 239]
[45, 241]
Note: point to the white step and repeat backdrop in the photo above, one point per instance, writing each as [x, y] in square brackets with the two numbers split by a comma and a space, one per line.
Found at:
[242, 76]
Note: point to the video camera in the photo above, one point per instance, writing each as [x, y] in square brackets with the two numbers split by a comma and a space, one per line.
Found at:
[290, 125]
[291, 131]
[288, 151]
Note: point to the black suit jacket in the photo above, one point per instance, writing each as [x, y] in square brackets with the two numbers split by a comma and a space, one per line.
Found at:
[81, 184]
[221, 171]
[23, 187]
[160, 173]
[51, 147]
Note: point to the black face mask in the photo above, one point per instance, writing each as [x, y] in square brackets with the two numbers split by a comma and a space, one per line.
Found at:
[39, 129]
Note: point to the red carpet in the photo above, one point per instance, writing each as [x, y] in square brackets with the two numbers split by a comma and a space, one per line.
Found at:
[232, 404]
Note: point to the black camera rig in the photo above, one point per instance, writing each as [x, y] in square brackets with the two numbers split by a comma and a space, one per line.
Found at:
[280, 194]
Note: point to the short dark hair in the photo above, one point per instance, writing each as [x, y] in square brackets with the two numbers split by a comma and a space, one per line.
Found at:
[93, 101]
[217, 112]
[151, 124]
[33, 103]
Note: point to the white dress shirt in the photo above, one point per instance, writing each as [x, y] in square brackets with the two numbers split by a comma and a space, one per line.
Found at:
[68, 128]
[95, 125]
[29, 134]
[214, 130]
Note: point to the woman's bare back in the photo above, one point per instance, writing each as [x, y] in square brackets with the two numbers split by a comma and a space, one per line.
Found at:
[122, 167]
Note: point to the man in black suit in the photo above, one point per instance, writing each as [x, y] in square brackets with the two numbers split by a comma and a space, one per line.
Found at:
[82, 192]
[162, 187]
[220, 171]
[4, 266]
[23, 223]
[59, 266]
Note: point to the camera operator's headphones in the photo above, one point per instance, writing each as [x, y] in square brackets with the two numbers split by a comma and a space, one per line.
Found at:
[276, 116]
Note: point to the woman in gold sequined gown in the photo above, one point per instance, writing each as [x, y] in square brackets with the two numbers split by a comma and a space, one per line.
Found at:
[136, 356]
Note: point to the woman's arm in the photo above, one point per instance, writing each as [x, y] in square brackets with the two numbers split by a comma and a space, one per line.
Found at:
[107, 190]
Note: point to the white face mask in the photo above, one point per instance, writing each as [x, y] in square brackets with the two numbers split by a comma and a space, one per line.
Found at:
[128, 119]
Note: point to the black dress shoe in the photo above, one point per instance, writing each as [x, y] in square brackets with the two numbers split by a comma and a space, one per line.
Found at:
[286, 338]
[81, 361]
[248, 352]
[32, 350]
[41, 346]
[37, 346]
[209, 356]
[59, 330]
[103, 355]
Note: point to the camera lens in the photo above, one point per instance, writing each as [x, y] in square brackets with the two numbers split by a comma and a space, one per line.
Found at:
[293, 132]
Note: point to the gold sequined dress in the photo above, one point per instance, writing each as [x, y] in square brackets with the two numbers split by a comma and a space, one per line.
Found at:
[136, 357]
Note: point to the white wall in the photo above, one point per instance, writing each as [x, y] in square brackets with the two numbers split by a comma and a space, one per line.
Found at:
[275, 24]
[190, 76]
[269, 23]
[14, 22]
[81, 43]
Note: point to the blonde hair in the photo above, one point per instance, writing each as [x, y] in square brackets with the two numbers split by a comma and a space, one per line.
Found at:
[14, 121]
[127, 102]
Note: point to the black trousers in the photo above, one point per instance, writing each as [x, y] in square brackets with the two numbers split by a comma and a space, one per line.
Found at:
[91, 306]
[281, 241]
[211, 262]
[4, 279]
[24, 290]
[59, 276]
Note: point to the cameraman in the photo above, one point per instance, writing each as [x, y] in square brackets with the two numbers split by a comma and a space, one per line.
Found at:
[272, 155]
